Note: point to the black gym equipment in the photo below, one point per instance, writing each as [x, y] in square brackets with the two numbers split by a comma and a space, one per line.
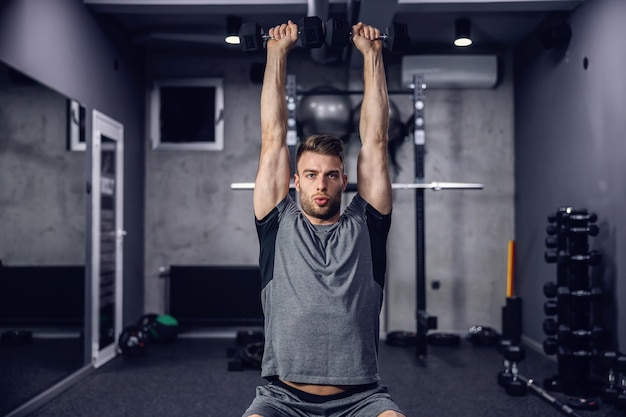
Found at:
[16, 337]
[611, 391]
[310, 32]
[543, 394]
[400, 338]
[483, 336]
[509, 378]
[575, 330]
[248, 353]
[133, 341]
[162, 328]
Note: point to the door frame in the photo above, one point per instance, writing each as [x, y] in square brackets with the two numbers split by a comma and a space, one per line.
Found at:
[103, 125]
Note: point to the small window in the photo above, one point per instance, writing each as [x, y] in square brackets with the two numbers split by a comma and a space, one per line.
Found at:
[187, 114]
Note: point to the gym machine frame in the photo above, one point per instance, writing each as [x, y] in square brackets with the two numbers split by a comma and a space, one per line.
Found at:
[424, 320]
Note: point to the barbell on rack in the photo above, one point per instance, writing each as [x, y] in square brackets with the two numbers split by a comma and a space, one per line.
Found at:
[435, 186]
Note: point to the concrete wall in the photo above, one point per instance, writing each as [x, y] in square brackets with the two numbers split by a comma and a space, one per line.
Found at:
[570, 151]
[192, 216]
[42, 192]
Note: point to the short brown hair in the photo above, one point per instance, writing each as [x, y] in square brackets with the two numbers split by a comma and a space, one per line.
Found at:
[321, 144]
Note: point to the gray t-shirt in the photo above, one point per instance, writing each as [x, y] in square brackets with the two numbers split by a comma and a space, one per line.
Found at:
[322, 291]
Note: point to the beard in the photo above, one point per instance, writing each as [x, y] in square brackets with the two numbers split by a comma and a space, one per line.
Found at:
[325, 212]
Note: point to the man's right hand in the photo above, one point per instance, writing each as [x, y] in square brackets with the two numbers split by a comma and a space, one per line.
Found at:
[284, 37]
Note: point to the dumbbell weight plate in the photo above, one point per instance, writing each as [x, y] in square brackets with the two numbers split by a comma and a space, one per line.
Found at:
[505, 378]
[516, 388]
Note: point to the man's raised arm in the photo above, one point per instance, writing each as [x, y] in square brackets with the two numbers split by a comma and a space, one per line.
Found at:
[273, 175]
[373, 181]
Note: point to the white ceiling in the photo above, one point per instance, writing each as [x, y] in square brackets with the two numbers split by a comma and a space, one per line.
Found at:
[496, 24]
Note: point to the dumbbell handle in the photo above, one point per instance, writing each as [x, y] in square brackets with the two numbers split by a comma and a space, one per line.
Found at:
[382, 37]
[548, 398]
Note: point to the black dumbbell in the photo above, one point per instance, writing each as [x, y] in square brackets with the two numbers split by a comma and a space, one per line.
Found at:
[310, 31]
[338, 34]
[515, 354]
[593, 258]
[550, 308]
[597, 334]
[620, 365]
[550, 346]
[590, 217]
[506, 376]
[611, 391]
[550, 327]
[550, 289]
[565, 295]
[591, 230]
[551, 242]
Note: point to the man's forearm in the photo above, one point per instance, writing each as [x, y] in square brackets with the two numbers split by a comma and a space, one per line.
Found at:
[273, 104]
[374, 121]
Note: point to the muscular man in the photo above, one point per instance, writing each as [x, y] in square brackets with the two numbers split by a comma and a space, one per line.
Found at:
[322, 271]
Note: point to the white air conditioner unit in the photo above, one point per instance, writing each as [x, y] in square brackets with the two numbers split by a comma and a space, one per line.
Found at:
[451, 71]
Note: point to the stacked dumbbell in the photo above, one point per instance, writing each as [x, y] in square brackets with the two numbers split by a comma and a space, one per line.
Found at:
[335, 33]
[574, 326]
[614, 391]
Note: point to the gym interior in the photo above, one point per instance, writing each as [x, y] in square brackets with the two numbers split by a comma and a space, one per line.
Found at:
[128, 261]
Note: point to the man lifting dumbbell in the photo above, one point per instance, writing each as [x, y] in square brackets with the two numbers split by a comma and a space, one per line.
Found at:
[336, 33]
[322, 271]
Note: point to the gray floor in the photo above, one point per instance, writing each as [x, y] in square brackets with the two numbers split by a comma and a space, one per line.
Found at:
[190, 378]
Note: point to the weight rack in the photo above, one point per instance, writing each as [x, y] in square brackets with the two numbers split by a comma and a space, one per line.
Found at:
[574, 327]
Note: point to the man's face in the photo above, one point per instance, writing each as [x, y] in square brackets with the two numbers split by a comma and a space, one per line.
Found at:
[320, 181]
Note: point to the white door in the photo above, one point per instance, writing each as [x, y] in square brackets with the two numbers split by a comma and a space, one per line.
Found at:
[107, 235]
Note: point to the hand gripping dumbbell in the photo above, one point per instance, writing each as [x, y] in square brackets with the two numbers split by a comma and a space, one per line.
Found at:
[338, 34]
[310, 32]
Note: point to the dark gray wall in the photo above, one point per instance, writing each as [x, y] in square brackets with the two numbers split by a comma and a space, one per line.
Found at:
[37, 171]
[570, 151]
[193, 217]
[61, 45]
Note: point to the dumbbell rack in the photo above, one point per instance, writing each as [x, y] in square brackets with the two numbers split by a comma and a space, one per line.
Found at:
[574, 326]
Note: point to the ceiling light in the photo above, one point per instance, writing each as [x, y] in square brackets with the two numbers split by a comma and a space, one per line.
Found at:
[462, 33]
[233, 24]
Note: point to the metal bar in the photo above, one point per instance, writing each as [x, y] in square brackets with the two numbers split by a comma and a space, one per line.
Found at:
[406, 92]
[292, 132]
[435, 186]
[419, 145]
[543, 394]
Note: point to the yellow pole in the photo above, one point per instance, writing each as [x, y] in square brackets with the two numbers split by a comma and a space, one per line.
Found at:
[510, 269]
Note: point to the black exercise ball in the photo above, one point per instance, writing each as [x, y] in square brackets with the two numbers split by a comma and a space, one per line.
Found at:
[166, 329]
[326, 113]
[133, 341]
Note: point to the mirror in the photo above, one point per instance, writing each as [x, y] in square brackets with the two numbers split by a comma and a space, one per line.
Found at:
[107, 236]
[42, 238]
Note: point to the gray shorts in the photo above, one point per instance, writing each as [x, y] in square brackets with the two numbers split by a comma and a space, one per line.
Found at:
[277, 399]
